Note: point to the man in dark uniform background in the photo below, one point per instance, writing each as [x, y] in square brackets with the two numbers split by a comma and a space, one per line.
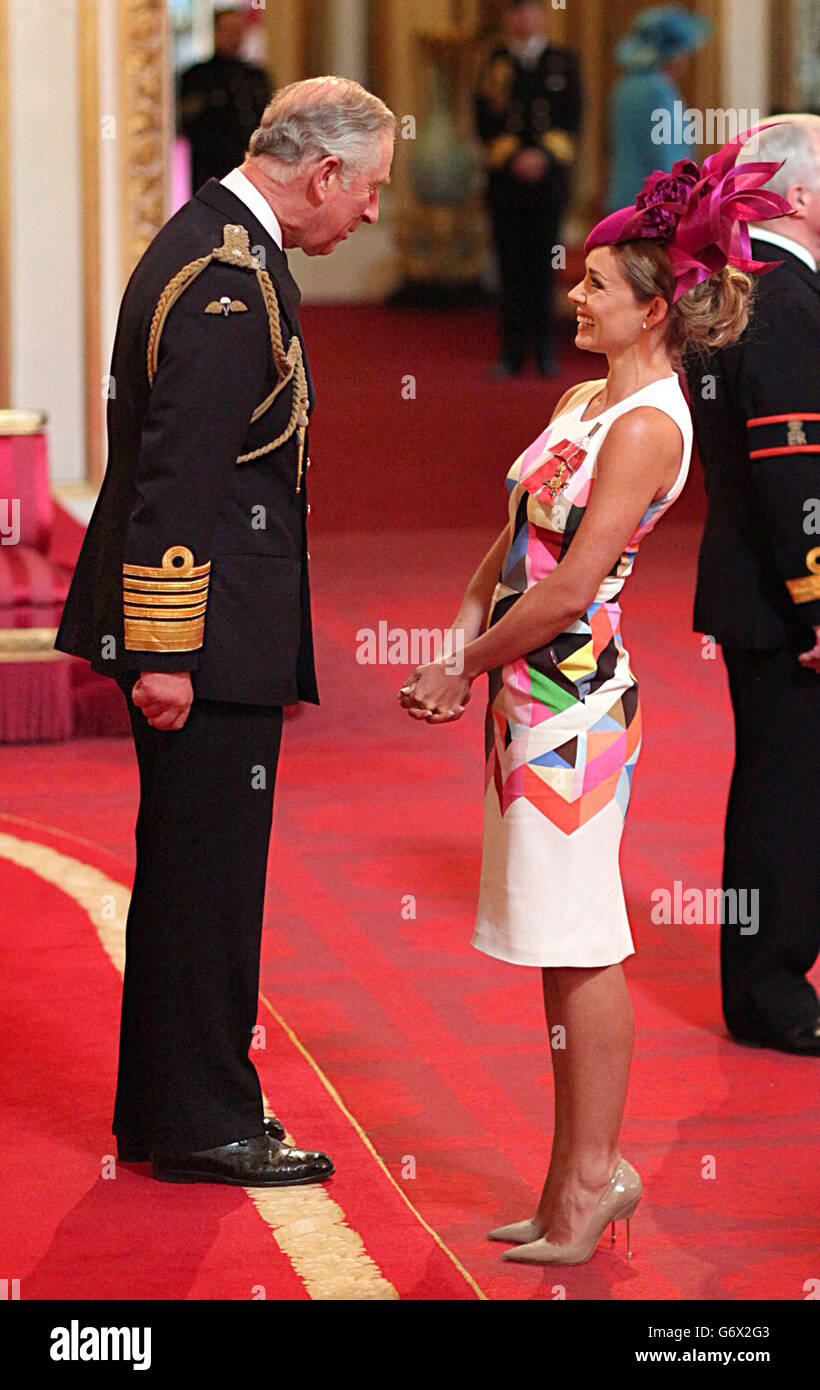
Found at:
[756, 407]
[528, 113]
[221, 102]
[191, 590]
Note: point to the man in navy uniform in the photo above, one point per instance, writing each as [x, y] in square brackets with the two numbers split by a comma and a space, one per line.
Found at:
[191, 590]
[221, 101]
[528, 113]
[757, 422]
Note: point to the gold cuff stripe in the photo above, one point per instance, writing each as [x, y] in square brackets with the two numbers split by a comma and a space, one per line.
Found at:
[804, 590]
[164, 637]
[170, 624]
[175, 586]
[177, 614]
[160, 601]
[171, 617]
[166, 573]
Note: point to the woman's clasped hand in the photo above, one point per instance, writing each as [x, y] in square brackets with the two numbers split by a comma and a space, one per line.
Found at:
[435, 694]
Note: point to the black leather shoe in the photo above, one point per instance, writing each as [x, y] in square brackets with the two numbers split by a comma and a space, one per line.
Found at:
[803, 1042]
[127, 1152]
[257, 1162]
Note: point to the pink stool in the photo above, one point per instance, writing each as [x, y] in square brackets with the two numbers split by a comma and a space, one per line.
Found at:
[35, 681]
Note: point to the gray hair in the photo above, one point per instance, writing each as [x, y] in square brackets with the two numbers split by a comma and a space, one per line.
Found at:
[796, 140]
[323, 116]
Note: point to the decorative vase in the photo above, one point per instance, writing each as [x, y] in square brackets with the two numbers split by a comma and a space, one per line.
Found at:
[443, 163]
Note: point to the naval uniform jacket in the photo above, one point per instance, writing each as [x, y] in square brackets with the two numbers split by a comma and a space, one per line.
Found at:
[758, 432]
[519, 107]
[220, 104]
[193, 561]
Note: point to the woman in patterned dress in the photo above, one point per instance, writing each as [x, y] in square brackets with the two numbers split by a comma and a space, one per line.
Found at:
[563, 722]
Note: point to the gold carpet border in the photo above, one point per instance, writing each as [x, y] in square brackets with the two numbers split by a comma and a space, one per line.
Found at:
[102, 898]
[368, 1143]
[327, 1254]
[307, 1225]
[302, 1226]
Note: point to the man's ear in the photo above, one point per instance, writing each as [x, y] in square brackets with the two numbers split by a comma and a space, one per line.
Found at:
[797, 197]
[324, 174]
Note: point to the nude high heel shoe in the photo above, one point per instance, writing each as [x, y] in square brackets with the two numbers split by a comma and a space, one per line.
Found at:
[618, 1202]
[518, 1233]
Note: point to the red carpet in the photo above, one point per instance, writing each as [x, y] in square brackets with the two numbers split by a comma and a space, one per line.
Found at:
[436, 1052]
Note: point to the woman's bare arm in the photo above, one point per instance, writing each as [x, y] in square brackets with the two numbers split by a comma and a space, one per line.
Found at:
[471, 618]
[640, 453]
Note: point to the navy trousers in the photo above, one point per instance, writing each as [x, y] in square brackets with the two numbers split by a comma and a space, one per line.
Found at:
[194, 929]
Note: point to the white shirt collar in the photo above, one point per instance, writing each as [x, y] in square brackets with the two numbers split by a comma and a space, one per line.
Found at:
[529, 52]
[239, 184]
[786, 244]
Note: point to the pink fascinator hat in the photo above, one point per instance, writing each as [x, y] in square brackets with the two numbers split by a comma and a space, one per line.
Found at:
[700, 214]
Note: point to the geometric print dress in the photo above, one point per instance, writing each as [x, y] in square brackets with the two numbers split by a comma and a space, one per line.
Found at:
[563, 726]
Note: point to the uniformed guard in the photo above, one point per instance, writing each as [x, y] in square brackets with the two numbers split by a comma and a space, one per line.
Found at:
[221, 101]
[528, 113]
[191, 590]
[757, 416]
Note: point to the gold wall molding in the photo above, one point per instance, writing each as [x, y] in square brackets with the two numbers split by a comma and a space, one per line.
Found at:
[144, 124]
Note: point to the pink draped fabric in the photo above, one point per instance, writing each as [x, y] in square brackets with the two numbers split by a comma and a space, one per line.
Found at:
[24, 478]
[35, 695]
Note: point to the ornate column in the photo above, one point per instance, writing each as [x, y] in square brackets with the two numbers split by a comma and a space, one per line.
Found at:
[124, 84]
[144, 124]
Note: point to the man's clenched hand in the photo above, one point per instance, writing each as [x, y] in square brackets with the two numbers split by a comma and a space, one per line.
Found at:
[165, 698]
[812, 658]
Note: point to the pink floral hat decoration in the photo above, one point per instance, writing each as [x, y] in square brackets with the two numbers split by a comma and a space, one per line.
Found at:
[701, 215]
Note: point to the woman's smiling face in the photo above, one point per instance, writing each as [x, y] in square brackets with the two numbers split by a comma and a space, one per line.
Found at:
[609, 316]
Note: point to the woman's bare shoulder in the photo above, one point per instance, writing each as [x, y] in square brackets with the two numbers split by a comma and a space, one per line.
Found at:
[581, 388]
[645, 423]
[643, 442]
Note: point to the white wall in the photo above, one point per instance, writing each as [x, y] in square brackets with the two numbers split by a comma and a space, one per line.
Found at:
[47, 367]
